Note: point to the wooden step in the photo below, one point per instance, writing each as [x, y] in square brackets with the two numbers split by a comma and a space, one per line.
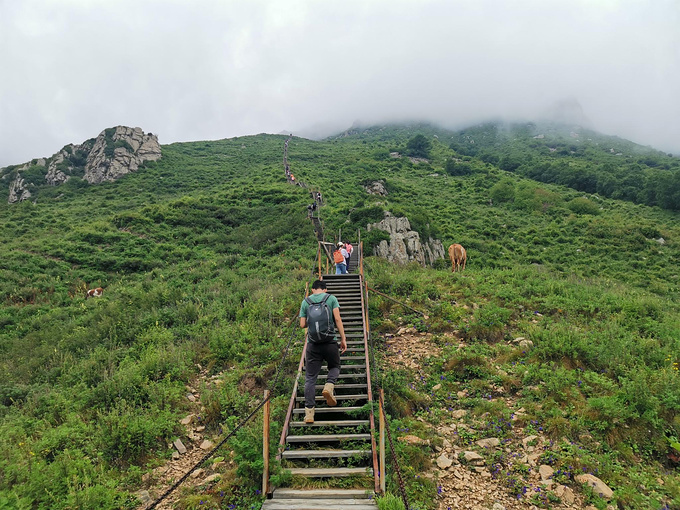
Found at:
[319, 504]
[331, 423]
[331, 472]
[285, 493]
[344, 376]
[324, 410]
[323, 454]
[344, 386]
[321, 398]
[352, 358]
[314, 438]
[344, 367]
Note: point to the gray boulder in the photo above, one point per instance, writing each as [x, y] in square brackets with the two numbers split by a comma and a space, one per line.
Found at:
[405, 244]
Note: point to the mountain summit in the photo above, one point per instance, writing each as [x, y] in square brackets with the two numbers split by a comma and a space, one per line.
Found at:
[568, 111]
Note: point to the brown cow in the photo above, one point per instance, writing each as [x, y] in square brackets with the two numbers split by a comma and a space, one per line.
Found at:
[458, 257]
[94, 292]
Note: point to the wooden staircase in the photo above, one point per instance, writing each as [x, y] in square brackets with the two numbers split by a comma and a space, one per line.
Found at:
[338, 447]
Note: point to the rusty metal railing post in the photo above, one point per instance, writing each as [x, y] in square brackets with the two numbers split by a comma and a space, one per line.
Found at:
[361, 259]
[265, 443]
[319, 255]
[382, 441]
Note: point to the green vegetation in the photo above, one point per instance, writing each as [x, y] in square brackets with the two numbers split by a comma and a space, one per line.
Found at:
[204, 256]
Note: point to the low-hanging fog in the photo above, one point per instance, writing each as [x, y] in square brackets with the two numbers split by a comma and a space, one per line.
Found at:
[189, 70]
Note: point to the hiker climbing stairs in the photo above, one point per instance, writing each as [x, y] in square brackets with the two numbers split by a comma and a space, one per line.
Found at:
[339, 444]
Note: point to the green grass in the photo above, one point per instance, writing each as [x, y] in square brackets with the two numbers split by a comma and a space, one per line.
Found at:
[204, 257]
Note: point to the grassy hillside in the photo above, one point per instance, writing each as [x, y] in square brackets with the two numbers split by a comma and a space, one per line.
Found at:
[204, 255]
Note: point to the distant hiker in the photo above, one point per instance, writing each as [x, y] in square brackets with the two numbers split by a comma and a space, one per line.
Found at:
[309, 210]
[94, 293]
[318, 197]
[292, 177]
[339, 257]
[349, 249]
[320, 313]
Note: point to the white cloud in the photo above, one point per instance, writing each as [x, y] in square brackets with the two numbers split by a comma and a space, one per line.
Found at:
[214, 69]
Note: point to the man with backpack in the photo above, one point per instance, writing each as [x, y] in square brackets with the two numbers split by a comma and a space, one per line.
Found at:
[320, 314]
[340, 259]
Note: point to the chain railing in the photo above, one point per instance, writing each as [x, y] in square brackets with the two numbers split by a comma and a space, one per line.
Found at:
[237, 428]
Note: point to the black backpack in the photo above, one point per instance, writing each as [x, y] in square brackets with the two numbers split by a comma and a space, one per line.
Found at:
[320, 323]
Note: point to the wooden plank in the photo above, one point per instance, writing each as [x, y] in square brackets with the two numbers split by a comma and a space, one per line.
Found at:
[330, 409]
[337, 397]
[286, 493]
[345, 376]
[345, 367]
[323, 454]
[330, 423]
[343, 386]
[327, 437]
[319, 504]
[330, 472]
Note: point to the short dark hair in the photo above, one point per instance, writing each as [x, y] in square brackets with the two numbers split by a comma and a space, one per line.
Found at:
[319, 284]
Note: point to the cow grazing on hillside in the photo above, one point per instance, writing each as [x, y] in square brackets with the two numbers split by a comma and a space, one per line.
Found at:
[458, 257]
[94, 292]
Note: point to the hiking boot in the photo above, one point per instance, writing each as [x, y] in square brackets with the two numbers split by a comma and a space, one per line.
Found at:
[328, 393]
[309, 415]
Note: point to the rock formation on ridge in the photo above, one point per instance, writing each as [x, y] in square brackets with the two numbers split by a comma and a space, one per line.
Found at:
[113, 154]
[405, 244]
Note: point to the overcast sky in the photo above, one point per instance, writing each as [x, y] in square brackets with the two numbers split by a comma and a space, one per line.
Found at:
[202, 69]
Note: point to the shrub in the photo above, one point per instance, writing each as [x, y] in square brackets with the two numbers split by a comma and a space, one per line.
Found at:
[582, 205]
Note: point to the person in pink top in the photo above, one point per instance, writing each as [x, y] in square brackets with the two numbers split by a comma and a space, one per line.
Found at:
[349, 248]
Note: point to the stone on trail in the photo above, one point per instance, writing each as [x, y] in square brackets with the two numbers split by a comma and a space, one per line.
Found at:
[206, 445]
[474, 458]
[598, 486]
[460, 413]
[545, 471]
[566, 494]
[528, 440]
[144, 497]
[180, 446]
[489, 442]
[443, 461]
[187, 419]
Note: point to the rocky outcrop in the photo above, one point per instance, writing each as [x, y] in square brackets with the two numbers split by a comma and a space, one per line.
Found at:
[18, 190]
[119, 151]
[376, 188]
[55, 176]
[405, 244]
[113, 154]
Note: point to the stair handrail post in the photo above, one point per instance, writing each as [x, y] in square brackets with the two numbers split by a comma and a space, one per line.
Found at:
[382, 441]
[318, 252]
[265, 443]
[361, 258]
